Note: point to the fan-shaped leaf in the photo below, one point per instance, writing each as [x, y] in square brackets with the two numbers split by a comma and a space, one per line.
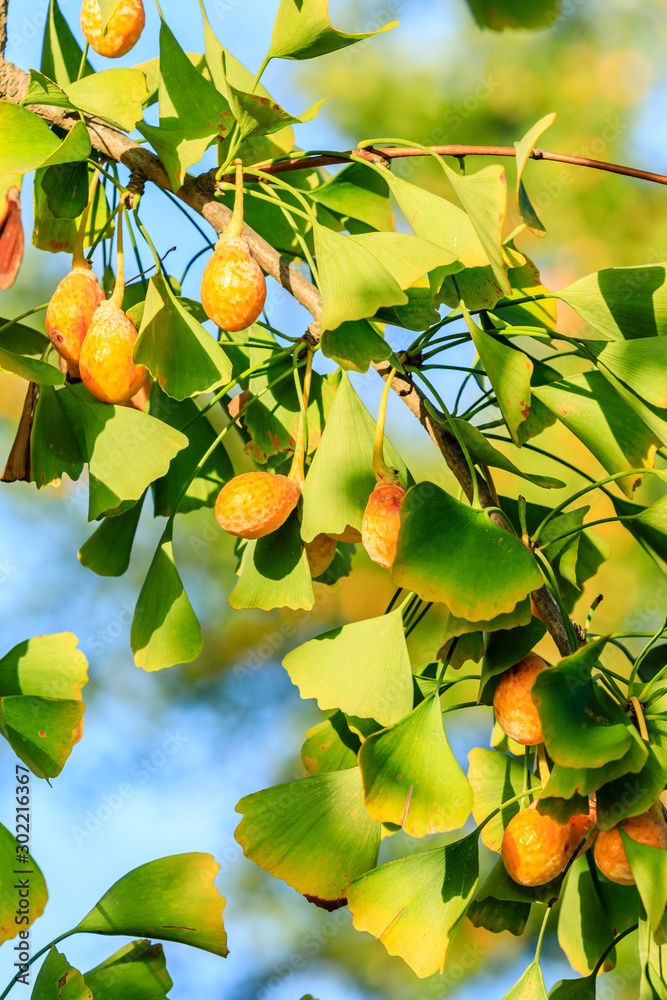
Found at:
[30, 368]
[362, 668]
[494, 778]
[330, 746]
[583, 929]
[173, 899]
[415, 905]
[314, 833]
[274, 572]
[28, 142]
[622, 303]
[443, 555]
[302, 30]
[107, 552]
[57, 979]
[411, 777]
[523, 150]
[11, 859]
[136, 972]
[649, 868]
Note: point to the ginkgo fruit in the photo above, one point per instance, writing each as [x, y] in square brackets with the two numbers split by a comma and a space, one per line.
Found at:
[535, 848]
[648, 828]
[320, 553]
[233, 287]
[73, 304]
[382, 516]
[254, 504]
[122, 30]
[106, 364]
[516, 712]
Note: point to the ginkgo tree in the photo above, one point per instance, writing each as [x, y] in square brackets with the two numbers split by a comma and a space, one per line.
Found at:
[125, 385]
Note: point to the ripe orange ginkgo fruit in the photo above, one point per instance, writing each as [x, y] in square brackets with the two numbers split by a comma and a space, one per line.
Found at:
[648, 828]
[105, 362]
[73, 304]
[535, 847]
[513, 703]
[255, 504]
[382, 516]
[121, 32]
[233, 287]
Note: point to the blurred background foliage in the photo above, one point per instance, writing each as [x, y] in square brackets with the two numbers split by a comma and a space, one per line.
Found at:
[235, 719]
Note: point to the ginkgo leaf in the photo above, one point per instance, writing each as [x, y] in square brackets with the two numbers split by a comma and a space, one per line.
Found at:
[57, 978]
[11, 859]
[173, 899]
[411, 776]
[314, 833]
[302, 30]
[443, 555]
[362, 668]
[523, 150]
[415, 905]
[494, 777]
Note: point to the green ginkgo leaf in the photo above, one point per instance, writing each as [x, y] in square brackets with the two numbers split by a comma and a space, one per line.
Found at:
[501, 14]
[362, 668]
[482, 452]
[46, 666]
[28, 142]
[274, 572]
[583, 929]
[494, 777]
[61, 53]
[314, 833]
[137, 971]
[530, 986]
[58, 979]
[411, 777]
[40, 730]
[443, 555]
[173, 899]
[483, 195]
[330, 746]
[621, 798]
[596, 414]
[341, 478]
[179, 353]
[258, 115]
[361, 274]
[107, 552]
[509, 372]
[582, 725]
[355, 346]
[523, 150]
[13, 860]
[649, 869]
[302, 30]
[415, 905]
[622, 303]
[641, 364]
[31, 369]
[165, 630]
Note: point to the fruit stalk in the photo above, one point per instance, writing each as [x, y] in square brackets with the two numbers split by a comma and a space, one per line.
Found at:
[116, 297]
[235, 227]
[383, 473]
[297, 468]
[78, 257]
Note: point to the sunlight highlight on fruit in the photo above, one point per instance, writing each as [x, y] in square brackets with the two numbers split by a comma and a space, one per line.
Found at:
[513, 704]
[122, 31]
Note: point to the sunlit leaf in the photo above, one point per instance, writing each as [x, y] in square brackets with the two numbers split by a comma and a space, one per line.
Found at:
[621, 798]
[411, 776]
[136, 971]
[61, 53]
[523, 150]
[58, 235]
[173, 899]
[361, 274]
[341, 479]
[641, 364]
[415, 905]
[40, 730]
[564, 782]
[46, 666]
[314, 833]
[583, 929]
[10, 860]
[530, 986]
[622, 303]
[355, 346]
[165, 630]
[257, 115]
[483, 195]
[596, 414]
[192, 111]
[442, 554]
[115, 95]
[54, 451]
[362, 668]
[179, 353]
[583, 726]
[274, 572]
[330, 746]
[57, 979]
[500, 14]
[494, 778]
[359, 193]
[126, 450]
[509, 373]
[30, 368]
[28, 142]
[302, 30]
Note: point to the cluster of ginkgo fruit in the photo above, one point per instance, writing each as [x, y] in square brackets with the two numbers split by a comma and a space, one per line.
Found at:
[536, 848]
